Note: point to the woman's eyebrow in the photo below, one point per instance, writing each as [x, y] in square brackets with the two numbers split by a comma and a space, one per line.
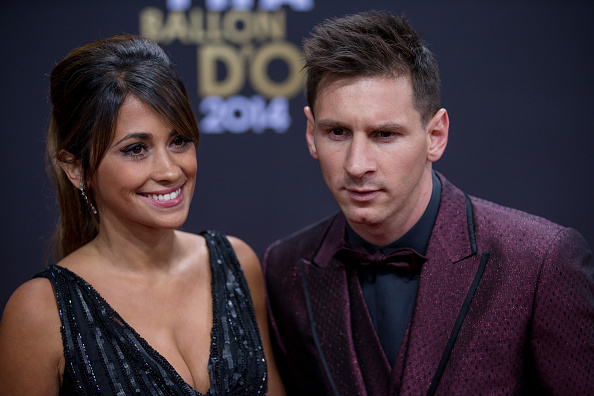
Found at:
[134, 135]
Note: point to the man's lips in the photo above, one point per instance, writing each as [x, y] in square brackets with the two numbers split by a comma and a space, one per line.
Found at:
[362, 194]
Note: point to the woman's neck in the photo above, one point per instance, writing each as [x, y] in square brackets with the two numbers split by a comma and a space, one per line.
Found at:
[151, 250]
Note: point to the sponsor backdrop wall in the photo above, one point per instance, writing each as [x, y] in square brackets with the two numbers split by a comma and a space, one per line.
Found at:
[517, 82]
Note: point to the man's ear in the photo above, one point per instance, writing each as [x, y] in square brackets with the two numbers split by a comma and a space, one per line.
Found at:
[437, 129]
[309, 132]
[71, 167]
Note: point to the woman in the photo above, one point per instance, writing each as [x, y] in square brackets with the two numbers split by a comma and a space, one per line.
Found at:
[134, 306]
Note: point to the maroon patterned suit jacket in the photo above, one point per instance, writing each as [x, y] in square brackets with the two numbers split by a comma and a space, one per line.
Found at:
[505, 305]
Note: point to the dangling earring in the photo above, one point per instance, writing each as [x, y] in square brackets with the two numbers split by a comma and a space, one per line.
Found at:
[82, 191]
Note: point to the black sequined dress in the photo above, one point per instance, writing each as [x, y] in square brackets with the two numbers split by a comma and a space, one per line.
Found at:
[105, 356]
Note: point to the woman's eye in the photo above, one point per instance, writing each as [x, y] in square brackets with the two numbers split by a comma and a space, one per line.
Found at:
[180, 141]
[135, 150]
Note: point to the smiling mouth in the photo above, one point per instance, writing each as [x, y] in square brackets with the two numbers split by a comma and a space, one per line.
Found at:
[164, 197]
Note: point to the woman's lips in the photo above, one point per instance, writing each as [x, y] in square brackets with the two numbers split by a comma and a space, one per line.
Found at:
[164, 197]
[165, 200]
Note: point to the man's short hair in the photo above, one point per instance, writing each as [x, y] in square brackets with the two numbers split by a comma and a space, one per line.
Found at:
[371, 44]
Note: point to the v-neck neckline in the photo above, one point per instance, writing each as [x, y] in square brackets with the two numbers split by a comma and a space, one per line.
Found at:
[117, 320]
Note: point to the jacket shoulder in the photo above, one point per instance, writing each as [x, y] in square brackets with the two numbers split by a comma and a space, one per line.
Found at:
[523, 235]
[505, 230]
[300, 244]
[509, 220]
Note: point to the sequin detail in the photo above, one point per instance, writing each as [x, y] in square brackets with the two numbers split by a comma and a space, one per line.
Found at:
[104, 355]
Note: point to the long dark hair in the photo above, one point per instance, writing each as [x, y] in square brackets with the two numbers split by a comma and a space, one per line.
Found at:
[87, 89]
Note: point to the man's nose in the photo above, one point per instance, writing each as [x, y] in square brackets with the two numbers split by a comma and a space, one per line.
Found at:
[360, 157]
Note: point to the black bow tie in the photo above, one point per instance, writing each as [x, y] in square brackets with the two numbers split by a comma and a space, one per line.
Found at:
[404, 259]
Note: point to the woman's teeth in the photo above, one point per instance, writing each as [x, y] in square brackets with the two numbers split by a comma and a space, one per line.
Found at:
[165, 197]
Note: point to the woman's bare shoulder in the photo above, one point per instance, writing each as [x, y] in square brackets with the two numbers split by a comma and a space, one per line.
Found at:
[30, 339]
[33, 301]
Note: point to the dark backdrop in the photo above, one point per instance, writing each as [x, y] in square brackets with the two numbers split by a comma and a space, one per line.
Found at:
[517, 82]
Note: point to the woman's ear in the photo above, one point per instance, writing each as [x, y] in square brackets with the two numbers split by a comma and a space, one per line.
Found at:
[71, 167]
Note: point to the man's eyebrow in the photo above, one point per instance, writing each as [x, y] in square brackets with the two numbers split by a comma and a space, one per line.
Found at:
[331, 124]
[389, 126]
[385, 126]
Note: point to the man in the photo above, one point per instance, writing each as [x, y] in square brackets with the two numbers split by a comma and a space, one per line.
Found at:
[414, 287]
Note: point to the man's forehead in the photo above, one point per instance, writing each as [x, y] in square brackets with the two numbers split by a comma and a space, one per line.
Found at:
[377, 99]
[339, 80]
[338, 85]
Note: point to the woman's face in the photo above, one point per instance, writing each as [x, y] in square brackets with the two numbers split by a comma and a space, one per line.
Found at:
[148, 173]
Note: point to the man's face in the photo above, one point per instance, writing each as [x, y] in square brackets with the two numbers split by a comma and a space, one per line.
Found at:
[374, 152]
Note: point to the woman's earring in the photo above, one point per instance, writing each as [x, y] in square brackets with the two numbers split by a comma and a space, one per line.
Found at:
[82, 191]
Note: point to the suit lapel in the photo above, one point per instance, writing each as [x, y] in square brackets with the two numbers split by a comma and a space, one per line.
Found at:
[325, 287]
[446, 279]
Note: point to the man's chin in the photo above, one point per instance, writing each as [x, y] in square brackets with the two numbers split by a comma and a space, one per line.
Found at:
[364, 218]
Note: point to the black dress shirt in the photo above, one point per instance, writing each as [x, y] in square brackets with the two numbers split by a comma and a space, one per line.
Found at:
[390, 295]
